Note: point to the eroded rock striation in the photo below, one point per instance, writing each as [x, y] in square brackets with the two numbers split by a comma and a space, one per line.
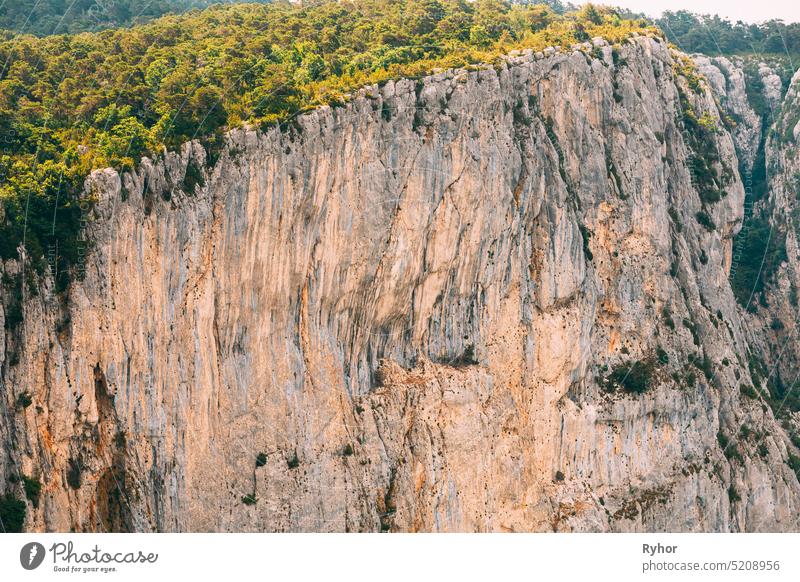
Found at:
[487, 300]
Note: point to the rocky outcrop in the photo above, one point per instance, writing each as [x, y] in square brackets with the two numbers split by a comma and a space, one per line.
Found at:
[487, 300]
[777, 304]
[729, 86]
[772, 86]
[766, 246]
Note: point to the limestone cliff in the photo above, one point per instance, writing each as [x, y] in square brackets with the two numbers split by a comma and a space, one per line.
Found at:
[493, 299]
[774, 305]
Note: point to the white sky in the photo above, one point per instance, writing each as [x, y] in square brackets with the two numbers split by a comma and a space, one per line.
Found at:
[747, 10]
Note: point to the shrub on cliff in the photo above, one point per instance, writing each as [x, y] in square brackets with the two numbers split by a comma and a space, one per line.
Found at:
[633, 377]
[758, 253]
[794, 464]
[33, 489]
[12, 513]
[705, 220]
[24, 400]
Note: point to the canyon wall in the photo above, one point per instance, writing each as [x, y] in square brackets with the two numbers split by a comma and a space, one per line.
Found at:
[493, 299]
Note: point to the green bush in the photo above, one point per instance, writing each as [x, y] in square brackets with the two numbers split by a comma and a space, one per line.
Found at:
[12, 513]
[794, 464]
[261, 459]
[633, 377]
[783, 398]
[748, 391]
[193, 178]
[729, 449]
[667, 315]
[33, 489]
[758, 252]
[586, 234]
[676, 219]
[705, 221]
[14, 294]
[24, 400]
[705, 365]
[74, 474]
[386, 112]
[689, 324]
[699, 132]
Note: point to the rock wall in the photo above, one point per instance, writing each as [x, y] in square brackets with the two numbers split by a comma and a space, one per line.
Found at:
[775, 309]
[488, 300]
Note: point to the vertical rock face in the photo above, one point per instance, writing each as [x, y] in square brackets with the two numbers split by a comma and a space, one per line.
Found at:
[777, 305]
[728, 84]
[488, 300]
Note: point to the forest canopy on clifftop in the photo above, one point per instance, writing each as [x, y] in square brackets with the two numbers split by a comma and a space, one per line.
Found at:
[43, 17]
[712, 35]
[73, 103]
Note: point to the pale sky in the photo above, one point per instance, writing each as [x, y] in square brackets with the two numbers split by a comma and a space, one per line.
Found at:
[747, 10]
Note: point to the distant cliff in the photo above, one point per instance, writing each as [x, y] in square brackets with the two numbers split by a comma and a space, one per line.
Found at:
[486, 300]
